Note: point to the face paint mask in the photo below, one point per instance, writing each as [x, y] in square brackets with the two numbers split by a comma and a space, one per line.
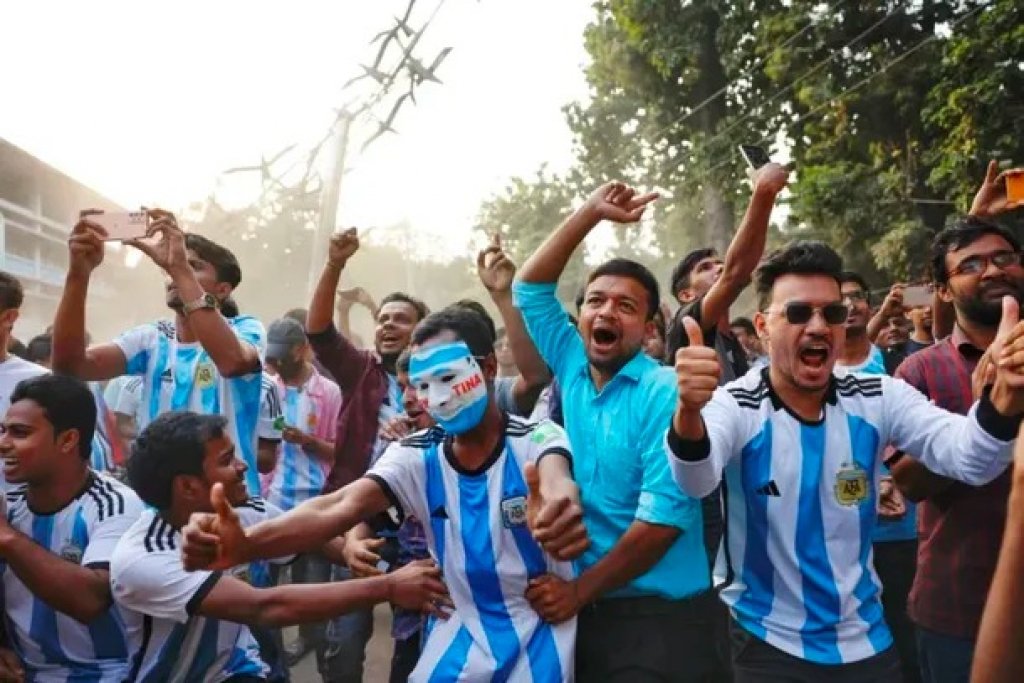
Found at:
[450, 386]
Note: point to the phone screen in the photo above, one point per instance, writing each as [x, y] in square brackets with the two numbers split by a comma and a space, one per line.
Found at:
[121, 225]
[755, 156]
[917, 295]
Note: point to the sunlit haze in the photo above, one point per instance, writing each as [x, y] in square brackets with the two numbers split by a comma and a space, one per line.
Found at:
[149, 103]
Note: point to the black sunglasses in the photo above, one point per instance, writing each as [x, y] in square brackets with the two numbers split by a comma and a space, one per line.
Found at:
[800, 313]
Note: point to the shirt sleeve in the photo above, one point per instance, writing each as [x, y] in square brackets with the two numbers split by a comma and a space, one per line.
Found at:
[549, 326]
[128, 398]
[256, 510]
[270, 410]
[113, 392]
[697, 466]
[974, 449]
[399, 472]
[136, 344]
[125, 508]
[342, 360]
[547, 438]
[157, 585]
[505, 396]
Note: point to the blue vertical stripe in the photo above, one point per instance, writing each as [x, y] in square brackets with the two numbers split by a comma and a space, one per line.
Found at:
[820, 593]
[206, 651]
[156, 385]
[864, 443]
[290, 462]
[169, 655]
[435, 500]
[454, 659]
[757, 572]
[246, 392]
[482, 575]
[43, 627]
[184, 370]
[541, 648]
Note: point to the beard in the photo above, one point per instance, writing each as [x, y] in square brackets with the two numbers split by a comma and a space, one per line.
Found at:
[987, 312]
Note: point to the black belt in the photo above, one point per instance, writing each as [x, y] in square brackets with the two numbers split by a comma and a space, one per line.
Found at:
[650, 605]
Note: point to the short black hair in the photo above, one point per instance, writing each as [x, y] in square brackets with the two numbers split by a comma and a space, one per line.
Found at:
[17, 348]
[803, 257]
[850, 276]
[622, 267]
[746, 323]
[67, 403]
[580, 296]
[464, 322]
[12, 294]
[171, 445]
[479, 309]
[681, 273]
[221, 258]
[402, 364]
[229, 308]
[964, 232]
[39, 348]
[401, 297]
[660, 326]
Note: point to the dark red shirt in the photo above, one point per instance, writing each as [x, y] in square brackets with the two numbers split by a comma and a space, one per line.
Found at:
[959, 530]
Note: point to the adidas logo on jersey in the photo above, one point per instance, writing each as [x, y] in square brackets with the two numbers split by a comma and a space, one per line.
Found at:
[769, 489]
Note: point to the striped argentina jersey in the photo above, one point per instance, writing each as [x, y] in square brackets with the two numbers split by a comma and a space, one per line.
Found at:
[171, 641]
[801, 499]
[476, 530]
[182, 376]
[54, 646]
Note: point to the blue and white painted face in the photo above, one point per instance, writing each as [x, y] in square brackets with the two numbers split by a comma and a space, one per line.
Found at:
[449, 385]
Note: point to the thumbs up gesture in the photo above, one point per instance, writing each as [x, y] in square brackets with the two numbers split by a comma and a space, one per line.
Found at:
[1007, 352]
[554, 515]
[214, 540]
[697, 369]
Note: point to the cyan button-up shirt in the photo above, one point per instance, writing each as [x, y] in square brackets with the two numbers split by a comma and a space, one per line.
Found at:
[618, 455]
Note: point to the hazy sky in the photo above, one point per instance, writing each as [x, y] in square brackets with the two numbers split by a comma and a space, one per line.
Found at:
[148, 102]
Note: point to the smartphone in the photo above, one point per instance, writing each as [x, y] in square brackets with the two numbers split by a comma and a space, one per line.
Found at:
[121, 225]
[755, 156]
[916, 296]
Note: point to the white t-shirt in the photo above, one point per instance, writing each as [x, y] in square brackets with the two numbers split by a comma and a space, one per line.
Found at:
[12, 371]
[171, 641]
[476, 530]
[124, 395]
[53, 646]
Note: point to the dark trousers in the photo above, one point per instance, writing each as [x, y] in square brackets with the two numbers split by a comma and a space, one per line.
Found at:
[755, 661]
[646, 640]
[896, 564]
[944, 659]
[405, 658]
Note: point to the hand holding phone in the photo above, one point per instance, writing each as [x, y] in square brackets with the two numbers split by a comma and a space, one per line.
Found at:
[916, 296]
[755, 156]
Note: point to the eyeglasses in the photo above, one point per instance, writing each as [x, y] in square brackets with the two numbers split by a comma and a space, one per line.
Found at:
[856, 296]
[800, 313]
[976, 265]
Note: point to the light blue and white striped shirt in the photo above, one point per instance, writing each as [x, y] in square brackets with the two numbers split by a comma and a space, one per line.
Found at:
[55, 647]
[801, 502]
[182, 376]
[476, 530]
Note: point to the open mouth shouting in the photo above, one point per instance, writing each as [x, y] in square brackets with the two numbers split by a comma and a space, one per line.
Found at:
[814, 355]
[604, 339]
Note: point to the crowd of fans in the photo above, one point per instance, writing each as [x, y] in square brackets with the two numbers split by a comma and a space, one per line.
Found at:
[635, 490]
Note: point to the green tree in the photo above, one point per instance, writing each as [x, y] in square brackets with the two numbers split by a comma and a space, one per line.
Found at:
[525, 213]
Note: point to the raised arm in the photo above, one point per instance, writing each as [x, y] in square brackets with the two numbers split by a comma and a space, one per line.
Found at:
[70, 355]
[231, 355]
[999, 654]
[747, 245]
[218, 541]
[612, 201]
[496, 271]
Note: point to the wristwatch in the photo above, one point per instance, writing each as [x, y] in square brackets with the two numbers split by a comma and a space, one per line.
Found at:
[205, 301]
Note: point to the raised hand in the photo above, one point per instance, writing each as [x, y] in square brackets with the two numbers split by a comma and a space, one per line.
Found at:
[168, 250]
[418, 586]
[85, 244]
[361, 555]
[555, 517]
[494, 268]
[343, 246]
[697, 369]
[771, 178]
[892, 306]
[991, 199]
[216, 540]
[617, 202]
[1007, 351]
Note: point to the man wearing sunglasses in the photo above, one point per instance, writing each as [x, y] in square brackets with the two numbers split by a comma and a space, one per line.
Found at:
[975, 264]
[800, 450]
